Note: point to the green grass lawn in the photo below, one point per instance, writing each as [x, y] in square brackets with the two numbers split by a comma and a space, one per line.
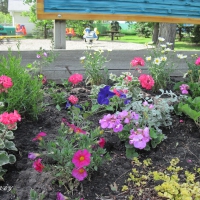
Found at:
[183, 45]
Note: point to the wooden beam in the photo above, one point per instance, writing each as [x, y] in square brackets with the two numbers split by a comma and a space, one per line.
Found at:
[119, 17]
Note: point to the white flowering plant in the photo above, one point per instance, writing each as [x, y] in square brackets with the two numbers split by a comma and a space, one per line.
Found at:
[159, 63]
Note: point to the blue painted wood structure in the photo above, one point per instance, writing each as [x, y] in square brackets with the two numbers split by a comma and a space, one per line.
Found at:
[174, 11]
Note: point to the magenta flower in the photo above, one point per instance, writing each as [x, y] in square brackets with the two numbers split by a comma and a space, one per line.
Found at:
[101, 142]
[45, 54]
[81, 158]
[184, 88]
[39, 136]
[109, 121]
[38, 56]
[197, 62]
[137, 61]
[60, 196]
[75, 78]
[79, 173]
[73, 99]
[32, 156]
[38, 166]
[6, 81]
[146, 81]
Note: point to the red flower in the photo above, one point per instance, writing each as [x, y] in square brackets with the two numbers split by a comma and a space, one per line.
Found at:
[73, 99]
[75, 78]
[116, 92]
[6, 81]
[101, 142]
[81, 158]
[146, 81]
[37, 165]
[39, 136]
[137, 61]
[197, 62]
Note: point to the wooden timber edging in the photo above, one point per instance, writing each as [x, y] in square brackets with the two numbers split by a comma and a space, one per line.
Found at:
[68, 62]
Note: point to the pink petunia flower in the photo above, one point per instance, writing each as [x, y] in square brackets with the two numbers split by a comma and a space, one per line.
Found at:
[197, 62]
[184, 88]
[73, 99]
[102, 142]
[39, 136]
[146, 81]
[37, 165]
[81, 158]
[32, 156]
[60, 196]
[137, 61]
[79, 173]
[75, 78]
[6, 81]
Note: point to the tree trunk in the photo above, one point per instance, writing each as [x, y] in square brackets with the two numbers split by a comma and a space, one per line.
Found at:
[168, 32]
[155, 33]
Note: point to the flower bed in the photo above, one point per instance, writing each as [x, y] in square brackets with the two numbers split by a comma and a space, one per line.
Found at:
[101, 138]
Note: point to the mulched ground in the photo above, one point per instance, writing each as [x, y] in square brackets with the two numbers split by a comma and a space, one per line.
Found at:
[183, 142]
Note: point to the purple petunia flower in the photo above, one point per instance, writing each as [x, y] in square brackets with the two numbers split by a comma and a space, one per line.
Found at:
[104, 95]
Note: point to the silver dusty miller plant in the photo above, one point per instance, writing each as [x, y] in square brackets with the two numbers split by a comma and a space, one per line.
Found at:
[160, 112]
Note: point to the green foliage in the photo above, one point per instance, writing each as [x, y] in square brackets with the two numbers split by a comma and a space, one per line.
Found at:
[62, 148]
[196, 34]
[26, 95]
[5, 18]
[35, 196]
[95, 71]
[144, 29]
[6, 145]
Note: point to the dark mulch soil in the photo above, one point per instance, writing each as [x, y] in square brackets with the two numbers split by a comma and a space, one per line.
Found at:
[183, 141]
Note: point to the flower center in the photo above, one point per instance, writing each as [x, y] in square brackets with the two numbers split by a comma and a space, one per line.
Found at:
[81, 158]
[81, 171]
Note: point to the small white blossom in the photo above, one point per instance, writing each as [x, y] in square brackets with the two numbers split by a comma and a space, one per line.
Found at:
[161, 39]
[1, 104]
[169, 44]
[82, 58]
[167, 49]
[148, 58]
[181, 56]
[157, 61]
[109, 49]
[163, 58]
[163, 45]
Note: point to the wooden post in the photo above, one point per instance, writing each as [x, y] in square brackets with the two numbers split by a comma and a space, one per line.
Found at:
[59, 34]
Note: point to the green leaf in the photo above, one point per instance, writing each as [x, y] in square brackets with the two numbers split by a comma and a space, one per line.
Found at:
[9, 135]
[2, 145]
[109, 108]
[4, 158]
[153, 133]
[58, 107]
[95, 108]
[10, 145]
[131, 153]
[12, 159]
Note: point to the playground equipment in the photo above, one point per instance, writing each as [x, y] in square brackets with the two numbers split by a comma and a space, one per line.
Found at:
[70, 33]
[8, 32]
[90, 36]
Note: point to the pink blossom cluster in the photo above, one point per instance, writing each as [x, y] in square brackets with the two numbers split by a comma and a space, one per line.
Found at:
[73, 99]
[75, 78]
[81, 159]
[115, 121]
[197, 62]
[137, 61]
[146, 104]
[139, 138]
[5, 83]
[146, 81]
[184, 88]
[10, 119]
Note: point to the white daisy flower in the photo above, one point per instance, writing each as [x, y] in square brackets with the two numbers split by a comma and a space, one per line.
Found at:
[169, 44]
[161, 39]
[148, 58]
[157, 61]
[163, 58]
[109, 49]
[163, 45]
[167, 49]
[82, 58]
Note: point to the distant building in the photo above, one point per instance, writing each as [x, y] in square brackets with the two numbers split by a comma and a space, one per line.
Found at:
[15, 8]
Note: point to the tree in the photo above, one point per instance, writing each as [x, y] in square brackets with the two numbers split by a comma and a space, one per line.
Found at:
[4, 6]
[44, 25]
[168, 32]
[5, 18]
[155, 33]
[196, 34]
[144, 29]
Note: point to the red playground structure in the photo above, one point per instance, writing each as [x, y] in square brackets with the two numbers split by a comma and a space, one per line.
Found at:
[70, 32]
[20, 30]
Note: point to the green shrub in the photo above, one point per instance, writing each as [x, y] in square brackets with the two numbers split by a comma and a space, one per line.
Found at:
[26, 95]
